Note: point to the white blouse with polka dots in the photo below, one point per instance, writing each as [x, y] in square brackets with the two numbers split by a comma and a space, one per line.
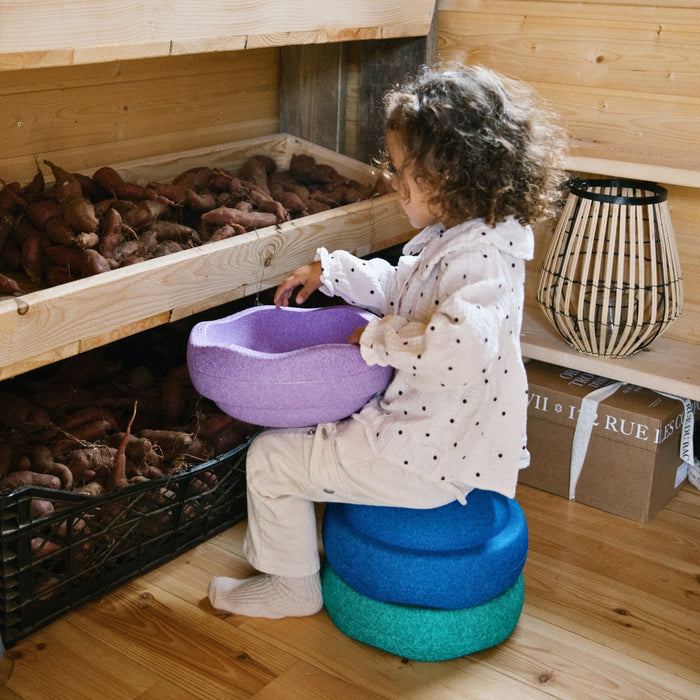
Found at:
[450, 317]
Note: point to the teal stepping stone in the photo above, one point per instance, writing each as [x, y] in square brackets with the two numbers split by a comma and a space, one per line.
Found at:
[421, 633]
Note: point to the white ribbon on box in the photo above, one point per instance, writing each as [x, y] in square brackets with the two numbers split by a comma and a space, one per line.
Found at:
[687, 451]
[584, 428]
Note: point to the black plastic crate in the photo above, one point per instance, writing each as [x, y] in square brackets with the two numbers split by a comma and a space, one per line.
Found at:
[91, 544]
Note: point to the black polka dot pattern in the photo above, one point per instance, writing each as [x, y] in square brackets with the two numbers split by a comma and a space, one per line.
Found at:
[455, 409]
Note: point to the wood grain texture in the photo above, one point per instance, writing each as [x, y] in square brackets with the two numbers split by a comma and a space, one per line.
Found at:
[87, 116]
[101, 31]
[625, 80]
[383, 64]
[622, 80]
[666, 365]
[53, 323]
[612, 610]
[313, 94]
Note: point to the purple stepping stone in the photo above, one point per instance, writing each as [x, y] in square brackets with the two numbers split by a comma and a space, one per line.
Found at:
[286, 367]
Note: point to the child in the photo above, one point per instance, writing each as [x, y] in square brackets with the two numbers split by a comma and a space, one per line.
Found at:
[474, 160]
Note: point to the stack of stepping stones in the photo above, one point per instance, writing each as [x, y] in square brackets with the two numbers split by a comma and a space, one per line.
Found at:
[427, 585]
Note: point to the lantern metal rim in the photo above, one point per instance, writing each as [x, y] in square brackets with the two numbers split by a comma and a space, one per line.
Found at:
[581, 188]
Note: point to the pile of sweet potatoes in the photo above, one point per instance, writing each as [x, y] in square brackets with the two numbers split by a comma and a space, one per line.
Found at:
[92, 425]
[118, 416]
[81, 225]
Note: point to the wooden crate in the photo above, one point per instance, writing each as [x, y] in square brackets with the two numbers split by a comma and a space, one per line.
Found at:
[47, 325]
[42, 576]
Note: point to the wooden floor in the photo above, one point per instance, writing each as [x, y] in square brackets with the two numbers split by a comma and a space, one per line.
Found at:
[612, 610]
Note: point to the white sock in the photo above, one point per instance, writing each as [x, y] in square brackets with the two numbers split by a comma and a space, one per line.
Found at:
[266, 595]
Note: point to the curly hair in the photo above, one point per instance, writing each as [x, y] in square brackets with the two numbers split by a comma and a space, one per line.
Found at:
[484, 144]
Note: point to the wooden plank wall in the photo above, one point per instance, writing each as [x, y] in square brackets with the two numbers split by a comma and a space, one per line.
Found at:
[625, 74]
[89, 115]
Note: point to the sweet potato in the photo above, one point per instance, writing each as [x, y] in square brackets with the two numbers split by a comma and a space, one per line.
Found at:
[35, 188]
[86, 239]
[77, 437]
[226, 231]
[256, 170]
[168, 248]
[307, 171]
[117, 477]
[79, 213]
[226, 199]
[223, 181]
[323, 198]
[142, 458]
[88, 368]
[200, 201]
[43, 462]
[175, 193]
[110, 202]
[11, 199]
[41, 210]
[109, 179]
[58, 274]
[173, 396]
[40, 508]
[248, 220]
[137, 448]
[322, 172]
[172, 231]
[170, 441]
[32, 262]
[90, 189]
[60, 398]
[86, 262]
[87, 415]
[314, 206]
[66, 185]
[86, 463]
[9, 285]
[230, 436]
[194, 178]
[110, 233]
[301, 166]
[266, 203]
[7, 224]
[58, 231]
[210, 425]
[11, 256]
[15, 410]
[92, 488]
[15, 480]
[130, 251]
[140, 378]
[144, 213]
[198, 450]
[42, 547]
[291, 201]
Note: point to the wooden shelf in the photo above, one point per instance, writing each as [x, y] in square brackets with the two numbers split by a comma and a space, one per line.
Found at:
[44, 326]
[682, 169]
[666, 365]
[96, 31]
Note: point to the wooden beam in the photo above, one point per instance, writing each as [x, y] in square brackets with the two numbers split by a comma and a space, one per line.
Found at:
[384, 63]
[313, 93]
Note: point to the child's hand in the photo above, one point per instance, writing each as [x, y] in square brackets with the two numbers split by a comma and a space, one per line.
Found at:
[308, 277]
[354, 338]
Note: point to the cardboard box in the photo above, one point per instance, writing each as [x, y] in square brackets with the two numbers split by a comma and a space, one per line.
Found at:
[621, 454]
